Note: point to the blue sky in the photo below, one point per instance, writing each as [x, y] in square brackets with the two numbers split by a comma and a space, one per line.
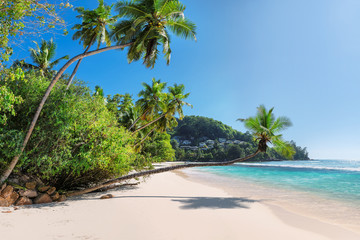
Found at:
[301, 57]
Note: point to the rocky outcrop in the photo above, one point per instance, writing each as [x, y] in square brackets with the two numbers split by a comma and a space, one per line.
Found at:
[23, 201]
[42, 198]
[9, 195]
[30, 194]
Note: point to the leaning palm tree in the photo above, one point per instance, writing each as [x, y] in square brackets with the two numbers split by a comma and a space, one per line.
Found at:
[264, 127]
[147, 24]
[94, 28]
[42, 57]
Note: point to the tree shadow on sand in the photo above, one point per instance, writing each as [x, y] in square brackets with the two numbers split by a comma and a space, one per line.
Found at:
[205, 202]
[214, 202]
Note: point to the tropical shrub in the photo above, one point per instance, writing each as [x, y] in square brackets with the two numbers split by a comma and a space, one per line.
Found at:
[76, 142]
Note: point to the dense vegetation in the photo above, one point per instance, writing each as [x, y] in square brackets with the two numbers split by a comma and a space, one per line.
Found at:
[78, 140]
[197, 130]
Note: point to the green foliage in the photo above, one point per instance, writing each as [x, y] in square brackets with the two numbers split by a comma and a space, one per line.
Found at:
[26, 17]
[76, 142]
[147, 24]
[94, 25]
[159, 148]
[42, 57]
[7, 98]
[266, 129]
[198, 129]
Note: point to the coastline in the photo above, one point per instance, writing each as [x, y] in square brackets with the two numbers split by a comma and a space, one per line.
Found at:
[165, 206]
[305, 208]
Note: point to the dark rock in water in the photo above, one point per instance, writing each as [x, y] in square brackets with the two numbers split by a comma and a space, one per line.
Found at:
[107, 196]
[42, 198]
[62, 198]
[23, 201]
[51, 190]
[43, 188]
[28, 193]
[55, 196]
[30, 185]
[3, 202]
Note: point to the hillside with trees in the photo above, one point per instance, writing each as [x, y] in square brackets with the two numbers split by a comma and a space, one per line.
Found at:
[198, 138]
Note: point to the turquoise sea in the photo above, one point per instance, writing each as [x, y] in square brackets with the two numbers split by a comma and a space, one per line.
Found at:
[325, 189]
[338, 179]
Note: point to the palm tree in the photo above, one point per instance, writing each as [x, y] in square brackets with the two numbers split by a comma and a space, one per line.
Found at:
[147, 25]
[264, 127]
[151, 100]
[42, 57]
[174, 103]
[92, 29]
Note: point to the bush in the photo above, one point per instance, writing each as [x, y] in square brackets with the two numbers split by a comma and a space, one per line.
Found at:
[76, 142]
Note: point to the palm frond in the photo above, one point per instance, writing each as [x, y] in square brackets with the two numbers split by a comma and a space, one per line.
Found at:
[182, 27]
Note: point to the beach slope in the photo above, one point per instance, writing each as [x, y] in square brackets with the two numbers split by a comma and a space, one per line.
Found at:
[165, 207]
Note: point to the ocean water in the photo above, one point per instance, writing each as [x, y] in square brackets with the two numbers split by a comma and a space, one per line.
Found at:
[337, 179]
[325, 189]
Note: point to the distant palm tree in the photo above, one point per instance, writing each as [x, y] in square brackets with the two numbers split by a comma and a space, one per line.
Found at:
[151, 100]
[147, 25]
[264, 127]
[172, 104]
[94, 28]
[42, 57]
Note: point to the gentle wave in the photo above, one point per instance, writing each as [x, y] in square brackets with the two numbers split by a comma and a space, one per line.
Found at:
[301, 166]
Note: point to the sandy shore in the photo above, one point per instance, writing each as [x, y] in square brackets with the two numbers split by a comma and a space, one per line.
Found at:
[166, 206]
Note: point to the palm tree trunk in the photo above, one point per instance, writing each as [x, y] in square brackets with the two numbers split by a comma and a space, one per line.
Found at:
[137, 120]
[160, 170]
[14, 161]
[145, 137]
[149, 123]
[73, 74]
[77, 66]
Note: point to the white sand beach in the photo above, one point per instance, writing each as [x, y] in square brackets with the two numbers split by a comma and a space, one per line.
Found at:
[166, 206]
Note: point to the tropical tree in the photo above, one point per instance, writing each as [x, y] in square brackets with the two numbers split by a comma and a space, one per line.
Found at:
[94, 28]
[147, 24]
[42, 56]
[266, 128]
[126, 37]
[151, 100]
[173, 104]
[266, 131]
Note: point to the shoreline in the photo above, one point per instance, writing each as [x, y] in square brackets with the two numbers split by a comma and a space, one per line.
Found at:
[279, 202]
[166, 206]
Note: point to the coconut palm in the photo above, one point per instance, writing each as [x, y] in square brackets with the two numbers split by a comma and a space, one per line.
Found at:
[151, 100]
[172, 104]
[94, 28]
[42, 57]
[264, 127]
[147, 24]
